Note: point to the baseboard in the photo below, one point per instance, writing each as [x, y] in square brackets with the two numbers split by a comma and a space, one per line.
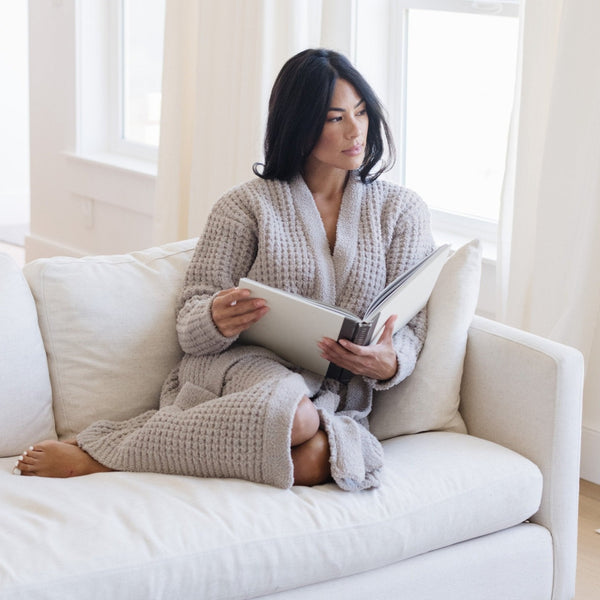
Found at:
[590, 455]
[14, 233]
[39, 247]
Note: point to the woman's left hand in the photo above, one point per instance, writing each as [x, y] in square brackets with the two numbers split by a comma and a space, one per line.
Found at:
[377, 361]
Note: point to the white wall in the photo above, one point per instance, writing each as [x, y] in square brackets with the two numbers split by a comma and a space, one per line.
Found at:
[78, 206]
[590, 442]
[14, 114]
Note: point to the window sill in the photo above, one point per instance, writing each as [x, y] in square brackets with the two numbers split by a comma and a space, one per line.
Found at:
[457, 230]
[113, 179]
[489, 249]
[121, 162]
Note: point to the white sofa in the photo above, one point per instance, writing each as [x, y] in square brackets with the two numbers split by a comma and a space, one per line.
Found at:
[491, 514]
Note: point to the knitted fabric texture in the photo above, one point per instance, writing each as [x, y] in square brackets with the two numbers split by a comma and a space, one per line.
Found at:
[227, 409]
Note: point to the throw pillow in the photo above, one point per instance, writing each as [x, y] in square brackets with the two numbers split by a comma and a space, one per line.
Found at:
[428, 399]
[25, 393]
[108, 324]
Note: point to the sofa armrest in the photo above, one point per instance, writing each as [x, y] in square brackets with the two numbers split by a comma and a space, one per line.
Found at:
[525, 393]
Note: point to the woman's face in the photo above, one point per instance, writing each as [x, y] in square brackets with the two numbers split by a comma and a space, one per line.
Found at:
[344, 136]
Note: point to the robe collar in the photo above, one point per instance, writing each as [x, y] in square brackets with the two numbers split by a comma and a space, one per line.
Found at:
[332, 269]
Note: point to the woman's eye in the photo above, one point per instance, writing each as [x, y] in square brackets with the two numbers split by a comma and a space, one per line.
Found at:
[334, 120]
[361, 113]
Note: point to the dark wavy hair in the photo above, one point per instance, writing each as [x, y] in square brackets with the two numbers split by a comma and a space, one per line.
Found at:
[298, 106]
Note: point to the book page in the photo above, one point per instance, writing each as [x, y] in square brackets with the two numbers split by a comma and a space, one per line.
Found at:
[293, 326]
[412, 295]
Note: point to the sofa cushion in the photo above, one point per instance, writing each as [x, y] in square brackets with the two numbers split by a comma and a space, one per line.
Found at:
[143, 535]
[25, 393]
[108, 324]
[428, 399]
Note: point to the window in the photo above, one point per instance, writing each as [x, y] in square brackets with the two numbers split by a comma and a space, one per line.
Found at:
[459, 89]
[140, 27]
[449, 90]
[119, 73]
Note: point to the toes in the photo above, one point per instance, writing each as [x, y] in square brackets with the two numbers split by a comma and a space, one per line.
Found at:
[25, 464]
[28, 455]
[27, 458]
[24, 468]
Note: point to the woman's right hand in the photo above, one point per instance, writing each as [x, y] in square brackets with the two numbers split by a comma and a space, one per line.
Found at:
[233, 311]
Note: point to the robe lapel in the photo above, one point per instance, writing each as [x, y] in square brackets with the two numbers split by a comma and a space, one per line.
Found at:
[348, 227]
[306, 208]
[332, 271]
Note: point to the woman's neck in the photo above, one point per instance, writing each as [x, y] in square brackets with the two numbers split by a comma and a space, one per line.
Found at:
[325, 183]
[327, 189]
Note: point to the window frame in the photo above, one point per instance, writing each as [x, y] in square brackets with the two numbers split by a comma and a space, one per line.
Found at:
[448, 226]
[117, 143]
[508, 8]
[98, 119]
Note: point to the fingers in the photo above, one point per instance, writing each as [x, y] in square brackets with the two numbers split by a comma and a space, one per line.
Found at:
[233, 311]
[388, 330]
[345, 354]
[377, 361]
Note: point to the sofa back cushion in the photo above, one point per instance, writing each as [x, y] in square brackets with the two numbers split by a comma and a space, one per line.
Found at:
[108, 324]
[25, 394]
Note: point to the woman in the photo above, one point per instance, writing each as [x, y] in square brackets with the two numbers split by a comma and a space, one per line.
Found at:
[315, 221]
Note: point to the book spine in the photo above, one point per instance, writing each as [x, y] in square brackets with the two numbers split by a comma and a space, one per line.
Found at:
[347, 332]
[362, 336]
[364, 332]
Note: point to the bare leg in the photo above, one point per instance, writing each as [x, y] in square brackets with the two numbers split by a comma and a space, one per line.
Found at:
[311, 461]
[310, 453]
[306, 422]
[58, 459]
[310, 447]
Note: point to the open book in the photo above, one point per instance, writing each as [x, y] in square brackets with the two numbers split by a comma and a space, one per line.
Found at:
[294, 324]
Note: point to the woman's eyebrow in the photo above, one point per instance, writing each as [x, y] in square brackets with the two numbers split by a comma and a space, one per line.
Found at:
[343, 109]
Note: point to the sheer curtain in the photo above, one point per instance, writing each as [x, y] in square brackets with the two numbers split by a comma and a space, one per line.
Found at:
[549, 259]
[220, 61]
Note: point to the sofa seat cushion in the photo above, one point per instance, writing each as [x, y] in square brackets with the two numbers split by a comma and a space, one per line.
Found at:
[140, 535]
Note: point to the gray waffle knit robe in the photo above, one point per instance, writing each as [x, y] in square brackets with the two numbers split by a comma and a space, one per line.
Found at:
[227, 409]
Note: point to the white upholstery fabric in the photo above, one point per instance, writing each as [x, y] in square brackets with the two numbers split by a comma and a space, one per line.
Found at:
[429, 399]
[134, 535]
[467, 571]
[25, 394]
[524, 392]
[108, 324]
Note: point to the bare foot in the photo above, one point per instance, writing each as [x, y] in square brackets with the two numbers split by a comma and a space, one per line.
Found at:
[58, 459]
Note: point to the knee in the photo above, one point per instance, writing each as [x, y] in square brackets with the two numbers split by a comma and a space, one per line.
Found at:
[311, 461]
[306, 422]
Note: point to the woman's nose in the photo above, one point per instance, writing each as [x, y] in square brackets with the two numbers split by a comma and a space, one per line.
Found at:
[353, 130]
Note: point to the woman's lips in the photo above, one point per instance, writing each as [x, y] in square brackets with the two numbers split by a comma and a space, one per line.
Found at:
[355, 150]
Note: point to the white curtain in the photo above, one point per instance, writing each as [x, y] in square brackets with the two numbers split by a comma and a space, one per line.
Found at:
[221, 59]
[549, 259]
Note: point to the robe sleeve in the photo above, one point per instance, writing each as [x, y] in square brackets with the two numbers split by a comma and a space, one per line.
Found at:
[224, 253]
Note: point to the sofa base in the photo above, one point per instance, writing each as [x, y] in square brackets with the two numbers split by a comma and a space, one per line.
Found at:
[513, 564]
